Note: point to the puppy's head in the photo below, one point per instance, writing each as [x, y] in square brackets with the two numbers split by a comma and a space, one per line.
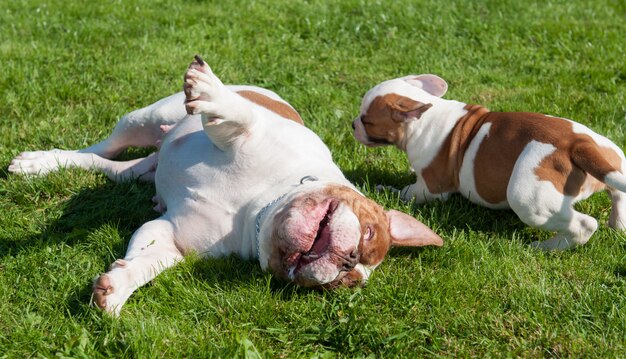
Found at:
[330, 236]
[388, 108]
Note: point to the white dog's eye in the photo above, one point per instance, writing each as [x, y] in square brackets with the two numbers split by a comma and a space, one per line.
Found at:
[369, 233]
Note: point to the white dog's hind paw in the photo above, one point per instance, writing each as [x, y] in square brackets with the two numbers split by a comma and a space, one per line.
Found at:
[38, 162]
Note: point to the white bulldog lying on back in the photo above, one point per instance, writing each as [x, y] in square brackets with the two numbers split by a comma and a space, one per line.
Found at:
[537, 165]
[239, 174]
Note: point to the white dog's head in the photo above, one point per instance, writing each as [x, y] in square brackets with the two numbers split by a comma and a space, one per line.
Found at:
[388, 108]
[331, 235]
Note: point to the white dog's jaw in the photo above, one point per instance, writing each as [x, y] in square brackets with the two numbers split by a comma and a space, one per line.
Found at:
[317, 236]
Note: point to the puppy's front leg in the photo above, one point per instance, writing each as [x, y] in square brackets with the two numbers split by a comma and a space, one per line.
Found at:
[419, 192]
[151, 250]
[225, 115]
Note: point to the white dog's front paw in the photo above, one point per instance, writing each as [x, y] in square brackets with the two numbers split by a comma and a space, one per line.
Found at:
[38, 162]
[202, 88]
[108, 294]
[105, 296]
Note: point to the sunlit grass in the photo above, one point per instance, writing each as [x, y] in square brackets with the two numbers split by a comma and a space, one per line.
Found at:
[69, 70]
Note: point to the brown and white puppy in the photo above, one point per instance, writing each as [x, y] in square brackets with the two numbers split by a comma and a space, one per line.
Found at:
[537, 165]
[237, 173]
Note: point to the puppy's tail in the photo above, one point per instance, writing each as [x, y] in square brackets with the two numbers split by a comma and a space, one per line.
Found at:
[603, 164]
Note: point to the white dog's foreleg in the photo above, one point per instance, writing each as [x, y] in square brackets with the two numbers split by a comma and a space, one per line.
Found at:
[151, 250]
[225, 114]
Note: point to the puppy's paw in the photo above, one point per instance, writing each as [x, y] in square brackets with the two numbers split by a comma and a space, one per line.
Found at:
[201, 87]
[382, 188]
[38, 163]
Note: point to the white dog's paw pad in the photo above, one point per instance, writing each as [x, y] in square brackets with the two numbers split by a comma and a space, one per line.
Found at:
[102, 287]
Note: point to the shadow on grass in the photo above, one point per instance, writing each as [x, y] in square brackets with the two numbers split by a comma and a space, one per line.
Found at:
[126, 206]
[455, 214]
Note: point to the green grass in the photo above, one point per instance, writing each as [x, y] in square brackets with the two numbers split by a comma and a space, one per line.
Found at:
[69, 70]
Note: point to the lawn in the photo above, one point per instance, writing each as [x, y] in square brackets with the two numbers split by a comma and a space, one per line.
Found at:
[69, 70]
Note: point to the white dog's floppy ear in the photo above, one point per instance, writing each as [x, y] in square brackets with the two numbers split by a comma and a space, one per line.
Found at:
[407, 231]
[432, 84]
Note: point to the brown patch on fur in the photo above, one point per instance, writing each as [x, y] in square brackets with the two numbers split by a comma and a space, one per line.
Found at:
[569, 168]
[442, 175]
[385, 117]
[582, 166]
[278, 107]
[370, 214]
[350, 279]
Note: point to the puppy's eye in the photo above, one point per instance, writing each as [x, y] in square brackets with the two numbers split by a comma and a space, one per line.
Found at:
[369, 233]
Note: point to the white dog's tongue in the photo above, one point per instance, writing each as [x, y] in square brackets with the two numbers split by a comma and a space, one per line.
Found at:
[322, 238]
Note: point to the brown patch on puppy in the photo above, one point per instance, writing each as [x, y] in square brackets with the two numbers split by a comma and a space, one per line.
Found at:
[386, 117]
[442, 175]
[576, 155]
[510, 132]
[581, 166]
[278, 107]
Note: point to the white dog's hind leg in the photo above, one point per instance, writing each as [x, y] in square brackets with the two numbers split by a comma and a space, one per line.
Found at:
[225, 114]
[42, 162]
[141, 128]
[572, 229]
[541, 206]
[151, 250]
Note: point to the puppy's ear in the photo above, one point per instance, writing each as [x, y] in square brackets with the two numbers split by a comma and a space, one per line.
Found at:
[432, 84]
[404, 109]
[407, 231]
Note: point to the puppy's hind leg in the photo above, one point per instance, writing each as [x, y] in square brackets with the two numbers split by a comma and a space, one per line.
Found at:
[617, 219]
[225, 114]
[151, 250]
[540, 205]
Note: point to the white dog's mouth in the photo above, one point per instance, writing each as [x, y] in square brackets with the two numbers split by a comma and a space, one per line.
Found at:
[319, 241]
